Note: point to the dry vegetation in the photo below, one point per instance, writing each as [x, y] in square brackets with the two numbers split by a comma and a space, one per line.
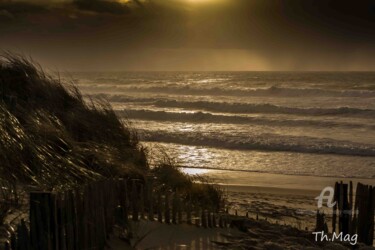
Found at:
[53, 139]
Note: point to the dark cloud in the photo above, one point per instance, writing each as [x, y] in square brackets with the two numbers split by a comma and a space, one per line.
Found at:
[175, 34]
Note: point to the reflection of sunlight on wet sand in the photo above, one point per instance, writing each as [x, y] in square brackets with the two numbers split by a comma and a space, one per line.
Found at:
[194, 171]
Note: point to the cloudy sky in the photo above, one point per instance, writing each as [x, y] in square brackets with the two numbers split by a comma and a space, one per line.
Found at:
[192, 34]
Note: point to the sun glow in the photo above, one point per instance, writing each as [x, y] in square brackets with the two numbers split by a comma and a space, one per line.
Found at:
[201, 1]
[186, 1]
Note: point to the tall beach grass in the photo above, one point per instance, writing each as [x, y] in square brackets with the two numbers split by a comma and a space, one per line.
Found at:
[52, 138]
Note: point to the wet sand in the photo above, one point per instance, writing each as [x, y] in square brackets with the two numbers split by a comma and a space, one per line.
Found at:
[282, 199]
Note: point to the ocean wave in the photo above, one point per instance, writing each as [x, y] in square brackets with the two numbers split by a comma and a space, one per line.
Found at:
[264, 142]
[202, 117]
[264, 108]
[244, 108]
[243, 91]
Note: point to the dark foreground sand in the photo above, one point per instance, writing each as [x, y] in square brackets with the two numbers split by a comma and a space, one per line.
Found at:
[247, 234]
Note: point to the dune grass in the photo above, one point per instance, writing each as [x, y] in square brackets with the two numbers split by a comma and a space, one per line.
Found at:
[197, 189]
[52, 138]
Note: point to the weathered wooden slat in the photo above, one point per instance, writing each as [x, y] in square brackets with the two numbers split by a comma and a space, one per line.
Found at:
[23, 236]
[174, 208]
[142, 201]
[179, 210]
[13, 241]
[204, 219]
[150, 200]
[371, 207]
[221, 221]
[42, 220]
[134, 201]
[160, 208]
[167, 212]
[188, 213]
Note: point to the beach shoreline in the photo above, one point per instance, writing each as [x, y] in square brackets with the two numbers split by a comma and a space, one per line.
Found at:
[250, 181]
[280, 199]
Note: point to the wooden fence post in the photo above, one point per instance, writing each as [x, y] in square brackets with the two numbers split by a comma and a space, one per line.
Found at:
[214, 220]
[167, 209]
[179, 210]
[371, 208]
[142, 200]
[361, 213]
[150, 199]
[188, 213]
[60, 215]
[135, 203]
[125, 202]
[70, 220]
[42, 220]
[209, 217]
[87, 215]
[23, 236]
[221, 221]
[344, 214]
[174, 208]
[198, 216]
[204, 219]
[350, 207]
[80, 220]
[13, 241]
[160, 208]
[334, 209]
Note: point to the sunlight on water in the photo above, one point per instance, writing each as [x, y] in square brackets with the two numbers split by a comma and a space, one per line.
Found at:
[293, 123]
[201, 159]
[195, 171]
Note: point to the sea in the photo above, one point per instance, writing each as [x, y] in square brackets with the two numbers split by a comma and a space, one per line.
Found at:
[289, 123]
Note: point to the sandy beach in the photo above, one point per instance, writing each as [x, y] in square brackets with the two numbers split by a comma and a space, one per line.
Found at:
[282, 199]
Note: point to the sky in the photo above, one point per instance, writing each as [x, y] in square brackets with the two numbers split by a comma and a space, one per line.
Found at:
[191, 35]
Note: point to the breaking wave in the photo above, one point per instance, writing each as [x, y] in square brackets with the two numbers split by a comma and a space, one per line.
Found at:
[264, 142]
[243, 91]
[202, 117]
[244, 108]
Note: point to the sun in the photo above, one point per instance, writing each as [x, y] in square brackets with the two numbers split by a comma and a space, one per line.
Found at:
[199, 1]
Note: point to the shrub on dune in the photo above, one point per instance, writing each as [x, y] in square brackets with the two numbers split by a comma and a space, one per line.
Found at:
[52, 136]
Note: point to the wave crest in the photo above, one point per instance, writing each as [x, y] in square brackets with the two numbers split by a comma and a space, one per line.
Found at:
[266, 142]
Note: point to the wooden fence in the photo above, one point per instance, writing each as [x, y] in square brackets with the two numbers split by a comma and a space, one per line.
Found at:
[84, 218]
[351, 216]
